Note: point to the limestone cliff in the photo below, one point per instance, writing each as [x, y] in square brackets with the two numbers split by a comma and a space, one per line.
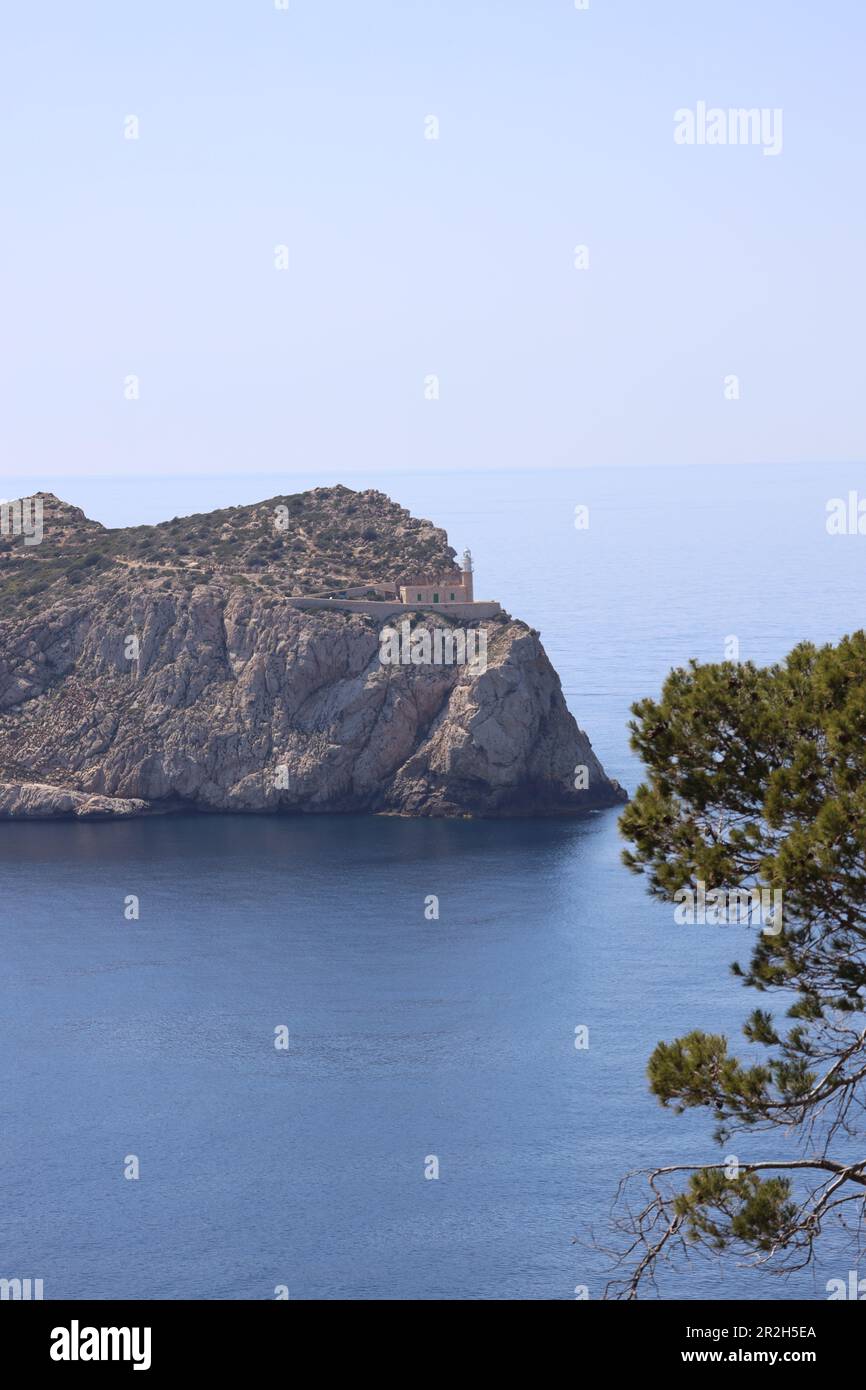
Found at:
[231, 699]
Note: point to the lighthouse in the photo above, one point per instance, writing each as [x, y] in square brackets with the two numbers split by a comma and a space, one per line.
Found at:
[440, 589]
[467, 576]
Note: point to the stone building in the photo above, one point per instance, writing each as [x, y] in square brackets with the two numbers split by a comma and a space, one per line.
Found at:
[449, 588]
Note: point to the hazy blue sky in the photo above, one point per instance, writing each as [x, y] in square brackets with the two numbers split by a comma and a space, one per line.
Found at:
[407, 256]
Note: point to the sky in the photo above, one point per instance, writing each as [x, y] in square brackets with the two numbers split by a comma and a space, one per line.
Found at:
[150, 330]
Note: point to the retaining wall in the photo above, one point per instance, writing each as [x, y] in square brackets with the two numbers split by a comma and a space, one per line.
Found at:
[383, 608]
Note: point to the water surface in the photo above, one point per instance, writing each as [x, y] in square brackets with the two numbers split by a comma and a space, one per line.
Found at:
[409, 1037]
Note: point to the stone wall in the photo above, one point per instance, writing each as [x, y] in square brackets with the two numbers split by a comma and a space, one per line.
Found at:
[382, 608]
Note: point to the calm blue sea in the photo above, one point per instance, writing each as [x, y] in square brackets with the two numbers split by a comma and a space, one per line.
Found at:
[408, 1038]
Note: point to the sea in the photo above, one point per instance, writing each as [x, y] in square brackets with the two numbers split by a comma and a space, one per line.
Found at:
[285, 1077]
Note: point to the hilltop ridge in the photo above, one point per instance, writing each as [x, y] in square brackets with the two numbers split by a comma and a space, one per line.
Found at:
[333, 537]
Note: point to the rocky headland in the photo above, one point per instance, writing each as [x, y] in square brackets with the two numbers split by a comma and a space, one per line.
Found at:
[159, 668]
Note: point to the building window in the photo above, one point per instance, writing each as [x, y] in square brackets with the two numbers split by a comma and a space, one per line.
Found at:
[452, 596]
[419, 598]
[435, 598]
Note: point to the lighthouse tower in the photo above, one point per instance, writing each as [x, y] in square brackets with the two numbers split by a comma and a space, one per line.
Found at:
[467, 576]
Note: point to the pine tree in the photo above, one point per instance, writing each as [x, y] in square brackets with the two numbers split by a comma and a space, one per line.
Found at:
[757, 778]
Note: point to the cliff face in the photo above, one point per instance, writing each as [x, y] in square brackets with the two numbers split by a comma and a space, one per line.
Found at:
[227, 698]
